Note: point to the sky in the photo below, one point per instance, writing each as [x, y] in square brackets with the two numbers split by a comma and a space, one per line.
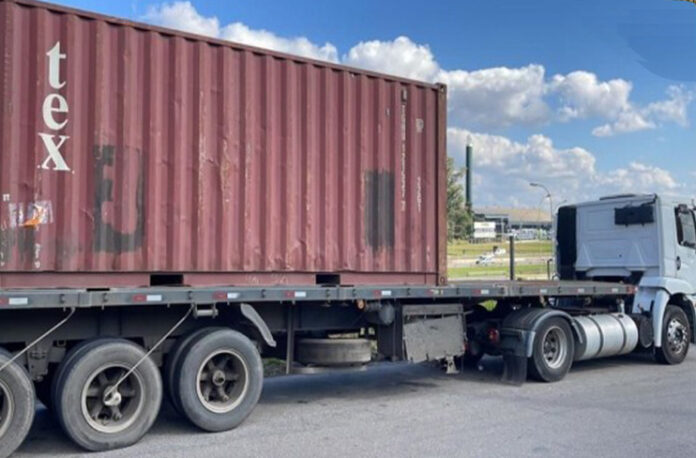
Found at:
[588, 97]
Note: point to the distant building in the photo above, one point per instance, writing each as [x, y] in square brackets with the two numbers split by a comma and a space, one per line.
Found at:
[516, 220]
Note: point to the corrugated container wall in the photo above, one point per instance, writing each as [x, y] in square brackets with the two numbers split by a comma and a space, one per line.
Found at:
[132, 155]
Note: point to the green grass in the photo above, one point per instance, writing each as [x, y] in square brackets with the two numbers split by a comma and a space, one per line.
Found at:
[522, 248]
[273, 367]
[496, 271]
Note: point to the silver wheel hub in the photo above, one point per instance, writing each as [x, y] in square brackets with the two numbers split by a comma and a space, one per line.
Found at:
[218, 378]
[677, 336]
[554, 347]
[112, 397]
[6, 408]
[108, 407]
[222, 381]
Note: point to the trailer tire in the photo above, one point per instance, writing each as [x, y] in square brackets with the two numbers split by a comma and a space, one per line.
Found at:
[92, 419]
[676, 337]
[172, 361]
[553, 350]
[17, 405]
[221, 380]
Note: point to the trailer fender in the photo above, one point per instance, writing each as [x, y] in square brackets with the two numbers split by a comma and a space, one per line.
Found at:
[517, 339]
[253, 316]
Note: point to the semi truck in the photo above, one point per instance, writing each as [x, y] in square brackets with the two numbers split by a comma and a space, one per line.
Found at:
[174, 208]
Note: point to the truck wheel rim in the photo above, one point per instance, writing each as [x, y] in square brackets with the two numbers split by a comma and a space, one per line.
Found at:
[554, 347]
[677, 336]
[6, 408]
[222, 381]
[112, 411]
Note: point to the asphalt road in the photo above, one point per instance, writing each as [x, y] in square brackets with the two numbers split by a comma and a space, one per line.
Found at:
[617, 407]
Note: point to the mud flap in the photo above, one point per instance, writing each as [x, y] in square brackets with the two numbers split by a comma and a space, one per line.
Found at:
[516, 347]
[514, 369]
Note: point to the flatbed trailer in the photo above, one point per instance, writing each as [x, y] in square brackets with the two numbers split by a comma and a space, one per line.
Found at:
[22, 299]
[314, 329]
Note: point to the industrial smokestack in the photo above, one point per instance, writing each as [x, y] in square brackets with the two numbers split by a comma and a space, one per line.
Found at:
[469, 174]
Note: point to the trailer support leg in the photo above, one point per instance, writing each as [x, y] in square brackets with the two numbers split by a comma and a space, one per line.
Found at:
[290, 347]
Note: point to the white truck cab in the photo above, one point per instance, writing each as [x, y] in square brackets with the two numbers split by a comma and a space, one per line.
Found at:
[645, 240]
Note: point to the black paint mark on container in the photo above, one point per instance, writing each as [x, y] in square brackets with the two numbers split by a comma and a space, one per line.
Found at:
[379, 209]
[106, 237]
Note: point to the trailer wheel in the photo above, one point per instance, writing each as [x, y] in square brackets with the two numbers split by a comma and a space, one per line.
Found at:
[74, 352]
[17, 405]
[172, 361]
[91, 412]
[220, 380]
[676, 337]
[553, 351]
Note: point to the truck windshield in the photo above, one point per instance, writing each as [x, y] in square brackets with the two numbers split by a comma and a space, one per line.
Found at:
[686, 228]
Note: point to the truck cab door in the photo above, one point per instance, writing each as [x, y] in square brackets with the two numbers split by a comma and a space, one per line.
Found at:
[686, 245]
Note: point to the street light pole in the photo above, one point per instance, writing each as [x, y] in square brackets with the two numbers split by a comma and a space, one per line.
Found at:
[548, 196]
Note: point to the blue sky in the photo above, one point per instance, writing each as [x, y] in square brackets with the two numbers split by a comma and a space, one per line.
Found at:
[589, 96]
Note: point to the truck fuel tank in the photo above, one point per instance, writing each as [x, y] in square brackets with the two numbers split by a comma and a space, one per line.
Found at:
[605, 335]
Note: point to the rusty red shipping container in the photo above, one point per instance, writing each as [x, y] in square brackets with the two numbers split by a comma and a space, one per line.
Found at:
[133, 155]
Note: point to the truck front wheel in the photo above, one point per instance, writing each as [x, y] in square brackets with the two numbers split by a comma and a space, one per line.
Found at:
[553, 351]
[676, 336]
[218, 380]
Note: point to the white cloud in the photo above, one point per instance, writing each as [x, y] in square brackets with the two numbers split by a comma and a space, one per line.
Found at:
[630, 119]
[674, 109]
[640, 177]
[626, 122]
[497, 97]
[184, 16]
[493, 97]
[300, 46]
[507, 167]
[400, 57]
[582, 95]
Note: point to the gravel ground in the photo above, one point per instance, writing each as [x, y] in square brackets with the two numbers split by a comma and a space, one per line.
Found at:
[610, 408]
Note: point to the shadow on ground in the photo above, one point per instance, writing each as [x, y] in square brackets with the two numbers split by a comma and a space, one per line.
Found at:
[378, 381]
